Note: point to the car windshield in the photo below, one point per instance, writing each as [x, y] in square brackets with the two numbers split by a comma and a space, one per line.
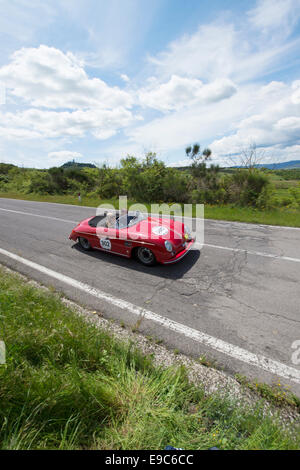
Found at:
[128, 220]
[116, 221]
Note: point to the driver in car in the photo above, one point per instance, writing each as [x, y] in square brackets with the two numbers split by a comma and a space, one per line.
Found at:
[111, 220]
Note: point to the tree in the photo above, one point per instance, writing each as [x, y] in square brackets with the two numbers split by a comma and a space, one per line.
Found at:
[199, 159]
[194, 152]
[130, 171]
[250, 156]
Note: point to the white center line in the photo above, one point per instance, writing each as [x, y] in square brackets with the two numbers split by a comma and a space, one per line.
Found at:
[231, 350]
[212, 221]
[38, 215]
[237, 250]
[254, 253]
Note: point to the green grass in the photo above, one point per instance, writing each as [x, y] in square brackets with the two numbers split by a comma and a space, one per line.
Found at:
[68, 385]
[279, 216]
[61, 199]
[277, 393]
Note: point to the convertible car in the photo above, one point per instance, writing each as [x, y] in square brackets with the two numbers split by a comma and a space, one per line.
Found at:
[150, 239]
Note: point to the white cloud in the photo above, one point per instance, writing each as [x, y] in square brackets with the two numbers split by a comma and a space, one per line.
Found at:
[180, 92]
[291, 152]
[206, 54]
[116, 28]
[231, 55]
[64, 100]
[223, 50]
[275, 16]
[63, 156]
[182, 127]
[36, 123]
[267, 115]
[125, 77]
[296, 94]
[289, 124]
[20, 20]
[185, 162]
[46, 77]
[275, 123]
[2, 94]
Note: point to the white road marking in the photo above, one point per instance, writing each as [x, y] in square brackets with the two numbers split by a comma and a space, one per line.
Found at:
[250, 225]
[216, 221]
[231, 350]
[225, 222]
[238, 250]
[254, 253]
[38, 215]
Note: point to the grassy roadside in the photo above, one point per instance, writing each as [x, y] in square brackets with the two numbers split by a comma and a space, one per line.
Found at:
[68, 385]
[281, 216]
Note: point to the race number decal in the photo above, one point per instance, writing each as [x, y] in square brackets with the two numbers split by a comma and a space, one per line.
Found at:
[160, 230]
[105, 243]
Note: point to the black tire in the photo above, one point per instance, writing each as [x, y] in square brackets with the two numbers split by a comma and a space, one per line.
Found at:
[146, 256]
[85, 244]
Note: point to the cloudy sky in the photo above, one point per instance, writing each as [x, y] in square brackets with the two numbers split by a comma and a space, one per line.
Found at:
[95, 80]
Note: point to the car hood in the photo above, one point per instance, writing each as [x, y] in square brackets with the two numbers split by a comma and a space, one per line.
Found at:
[159, 229]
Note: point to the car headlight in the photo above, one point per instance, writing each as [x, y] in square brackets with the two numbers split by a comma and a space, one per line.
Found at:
[168, 246]
[187, 232]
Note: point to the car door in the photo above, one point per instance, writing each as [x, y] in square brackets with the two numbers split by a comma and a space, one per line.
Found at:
[107, 239]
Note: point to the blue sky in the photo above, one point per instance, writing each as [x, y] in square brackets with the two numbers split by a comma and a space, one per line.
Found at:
[96, 80]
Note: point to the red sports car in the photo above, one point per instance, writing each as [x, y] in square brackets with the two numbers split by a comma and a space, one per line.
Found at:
[150, 239]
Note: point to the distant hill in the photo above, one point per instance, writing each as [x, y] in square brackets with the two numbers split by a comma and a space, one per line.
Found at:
[281, 166]
[276, 166]
[271, 166]
[78, 165]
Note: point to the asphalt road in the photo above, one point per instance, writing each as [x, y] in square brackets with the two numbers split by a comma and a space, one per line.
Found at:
[236, 299]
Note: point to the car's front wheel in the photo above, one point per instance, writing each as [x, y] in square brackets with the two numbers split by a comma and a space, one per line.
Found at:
[84, 243]
[146, 256]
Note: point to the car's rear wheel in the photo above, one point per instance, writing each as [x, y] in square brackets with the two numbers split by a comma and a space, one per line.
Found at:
[84, 243]
[146, 256]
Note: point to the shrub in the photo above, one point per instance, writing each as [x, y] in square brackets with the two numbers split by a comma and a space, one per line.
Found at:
[149, 180]
[247, 186]
[287, 200]
[265, 200]
[295, 193]
[175, 186]
[5, 168]
[40, 183]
